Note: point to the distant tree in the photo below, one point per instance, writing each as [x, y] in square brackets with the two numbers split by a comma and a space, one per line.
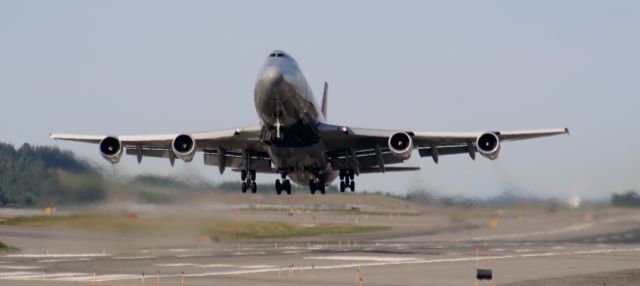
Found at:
[629, 198]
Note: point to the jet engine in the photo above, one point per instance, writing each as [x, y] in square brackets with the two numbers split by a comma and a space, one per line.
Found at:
[401, 145]
[488, 145]
[184, 147]
[111, 149]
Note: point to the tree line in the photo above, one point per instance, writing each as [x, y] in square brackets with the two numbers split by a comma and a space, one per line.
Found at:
[43, 175]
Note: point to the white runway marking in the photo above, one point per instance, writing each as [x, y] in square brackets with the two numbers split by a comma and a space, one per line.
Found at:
[249, 253]
[63, 260]
[17, 267]
[134, 257]
[24, 275]
[363, 258]
[195, 265]
[57, 255]
[256, 266]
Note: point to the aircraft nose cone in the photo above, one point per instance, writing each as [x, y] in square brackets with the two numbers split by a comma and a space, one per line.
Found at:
[272, 76]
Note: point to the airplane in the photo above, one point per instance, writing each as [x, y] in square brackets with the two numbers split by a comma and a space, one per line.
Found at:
[294, 140]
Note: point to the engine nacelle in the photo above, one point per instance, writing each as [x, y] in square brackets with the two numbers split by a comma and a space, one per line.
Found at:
[111, 149]
[488, 145]
[184, 147]
[401, 145]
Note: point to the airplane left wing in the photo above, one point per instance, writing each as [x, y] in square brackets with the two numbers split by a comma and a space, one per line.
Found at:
[373, 149]
[226, 148]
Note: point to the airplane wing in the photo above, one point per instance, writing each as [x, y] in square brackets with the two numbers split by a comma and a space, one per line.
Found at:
[225, 148]
[369, 149]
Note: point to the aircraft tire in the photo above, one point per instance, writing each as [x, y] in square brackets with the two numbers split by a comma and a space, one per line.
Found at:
[312, 187]
[244, 187]
[254, 187]
[278, 187]
[343, 186]
[352, 186]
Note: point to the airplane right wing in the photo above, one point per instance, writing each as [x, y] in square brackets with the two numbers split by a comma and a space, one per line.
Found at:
[372, 149]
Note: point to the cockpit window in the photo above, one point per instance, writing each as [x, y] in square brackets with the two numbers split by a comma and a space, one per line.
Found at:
[277, 55]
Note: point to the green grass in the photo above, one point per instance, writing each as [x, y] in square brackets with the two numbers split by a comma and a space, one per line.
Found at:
[6, 248]
[96, 222]
[341, 211]
[266, 229]
[215, 228]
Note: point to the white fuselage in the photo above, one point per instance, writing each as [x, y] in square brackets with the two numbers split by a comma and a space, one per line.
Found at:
[289, 114]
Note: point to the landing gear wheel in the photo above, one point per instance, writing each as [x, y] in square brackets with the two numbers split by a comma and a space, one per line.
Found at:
[352, 186]
[312, 187]
[279, 187]
[287, 186]
[244, 187]
[343, 186]
[321, 187]
[342, 174]
[254, 187]
[252, 175]
[243, 175]
[351, 174]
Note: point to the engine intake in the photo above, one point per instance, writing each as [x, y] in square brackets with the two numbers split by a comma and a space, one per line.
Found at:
[184, 147]
[401, 145]
[488, 145]
[111, 149]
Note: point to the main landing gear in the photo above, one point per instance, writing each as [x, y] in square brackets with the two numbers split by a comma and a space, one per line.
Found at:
[284, 186]
[347, 177]
[248, 181]
[316, 185]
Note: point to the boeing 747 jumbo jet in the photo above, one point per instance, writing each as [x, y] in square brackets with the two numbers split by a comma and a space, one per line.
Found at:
[294, 140]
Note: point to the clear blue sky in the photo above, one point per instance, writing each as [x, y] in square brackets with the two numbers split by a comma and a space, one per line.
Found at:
[144, 67]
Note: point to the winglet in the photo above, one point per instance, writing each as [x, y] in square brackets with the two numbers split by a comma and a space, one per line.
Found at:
[566, 130]
[324, 100]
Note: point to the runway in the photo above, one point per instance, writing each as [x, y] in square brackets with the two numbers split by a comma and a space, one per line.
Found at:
[604, 249]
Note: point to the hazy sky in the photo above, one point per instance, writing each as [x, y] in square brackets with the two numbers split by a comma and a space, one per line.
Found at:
[144, 67]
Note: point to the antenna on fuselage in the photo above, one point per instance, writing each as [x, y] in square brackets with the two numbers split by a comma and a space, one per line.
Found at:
[325, 94]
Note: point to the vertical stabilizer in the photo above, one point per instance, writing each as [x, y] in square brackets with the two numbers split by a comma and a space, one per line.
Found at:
[325, 94]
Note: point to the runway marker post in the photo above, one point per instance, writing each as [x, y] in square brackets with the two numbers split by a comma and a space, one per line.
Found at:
[182, 278]
[158, 277]
[94, 276]
[142, 277]
[44, 277]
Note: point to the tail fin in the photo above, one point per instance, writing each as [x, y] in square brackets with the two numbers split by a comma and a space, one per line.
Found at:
[325, 94]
